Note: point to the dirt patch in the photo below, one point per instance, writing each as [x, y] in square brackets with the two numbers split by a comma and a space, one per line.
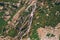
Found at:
[42, 33]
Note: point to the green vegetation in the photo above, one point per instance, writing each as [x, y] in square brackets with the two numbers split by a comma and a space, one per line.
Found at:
[2, 22]
[50, 35]
[1, 14]
[43, 20]
[12, 33]
[2, 25]
[40, 18]
[34, 35]
[9, 0]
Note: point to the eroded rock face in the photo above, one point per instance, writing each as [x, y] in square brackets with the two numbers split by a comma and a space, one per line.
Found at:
[42, 33]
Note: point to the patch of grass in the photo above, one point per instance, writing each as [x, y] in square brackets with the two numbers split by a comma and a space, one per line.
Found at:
[2, 25]
[10, 0]
[12, 33]
[1, 14]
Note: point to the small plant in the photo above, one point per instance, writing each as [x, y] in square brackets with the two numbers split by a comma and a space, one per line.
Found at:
[50, 35]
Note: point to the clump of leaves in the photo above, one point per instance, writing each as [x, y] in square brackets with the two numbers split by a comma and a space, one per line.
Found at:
[50, 35]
